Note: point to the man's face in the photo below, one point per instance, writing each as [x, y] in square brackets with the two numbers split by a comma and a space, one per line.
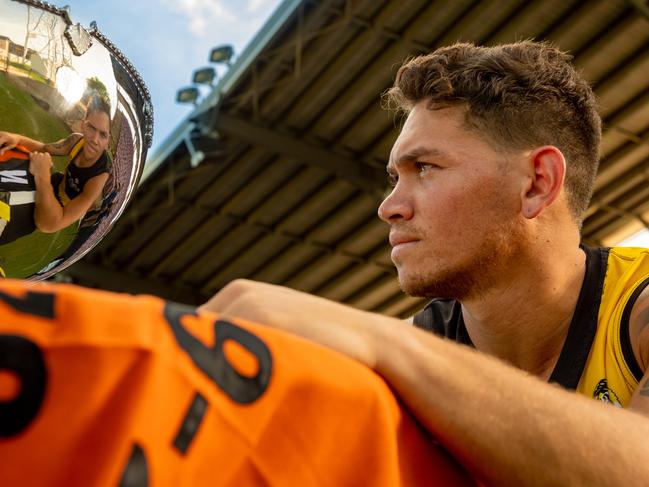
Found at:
[95, 129]
[454, 212]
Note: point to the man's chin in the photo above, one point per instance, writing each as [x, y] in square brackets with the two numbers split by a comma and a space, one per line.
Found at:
[450, 285]
[412, 285]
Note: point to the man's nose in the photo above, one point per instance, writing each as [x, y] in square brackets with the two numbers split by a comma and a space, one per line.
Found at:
[396, 206]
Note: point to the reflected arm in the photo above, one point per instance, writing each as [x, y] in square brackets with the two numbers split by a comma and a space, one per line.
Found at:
[61, 147]
[49, 215]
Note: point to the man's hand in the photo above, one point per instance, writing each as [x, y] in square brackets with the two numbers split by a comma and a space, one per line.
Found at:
[350, 331]
[40, 164]
[7, 141]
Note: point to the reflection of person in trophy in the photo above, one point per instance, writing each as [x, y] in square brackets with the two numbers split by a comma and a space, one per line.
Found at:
[62, 198]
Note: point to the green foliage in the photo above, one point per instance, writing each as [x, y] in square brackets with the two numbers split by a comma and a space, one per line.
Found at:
[96, 87]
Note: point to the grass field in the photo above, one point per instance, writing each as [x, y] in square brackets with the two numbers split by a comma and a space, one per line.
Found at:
[21, 114]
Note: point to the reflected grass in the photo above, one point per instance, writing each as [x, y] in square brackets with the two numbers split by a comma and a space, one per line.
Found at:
[21, 114]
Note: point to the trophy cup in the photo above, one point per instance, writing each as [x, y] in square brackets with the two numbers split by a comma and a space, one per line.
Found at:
[75, 124]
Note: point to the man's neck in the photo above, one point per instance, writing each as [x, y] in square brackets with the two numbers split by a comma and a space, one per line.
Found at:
[83, 161]
[524, 320]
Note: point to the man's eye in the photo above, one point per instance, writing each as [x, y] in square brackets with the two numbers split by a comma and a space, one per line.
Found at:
[392, 180]
[424, 166]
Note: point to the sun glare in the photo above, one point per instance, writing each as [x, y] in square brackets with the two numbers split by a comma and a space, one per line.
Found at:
[70, 84]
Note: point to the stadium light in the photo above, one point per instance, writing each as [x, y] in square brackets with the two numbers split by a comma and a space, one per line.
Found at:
[222, 54]
[204, 76]
[187, 95]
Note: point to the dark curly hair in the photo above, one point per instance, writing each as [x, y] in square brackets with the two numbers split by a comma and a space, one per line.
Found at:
[520, 96]
[98, 104]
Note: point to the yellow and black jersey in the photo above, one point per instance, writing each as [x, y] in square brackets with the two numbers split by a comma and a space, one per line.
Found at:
[597, 359]
[102, 389]
[612, 372]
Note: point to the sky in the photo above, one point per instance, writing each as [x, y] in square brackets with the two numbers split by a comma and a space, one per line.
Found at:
[639, 239]
[166, 40]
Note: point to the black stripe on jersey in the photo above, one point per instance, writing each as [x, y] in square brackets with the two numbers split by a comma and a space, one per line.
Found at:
[191, 423]
[583, 326]
[625, 337]
[36, 303]
[136, 473]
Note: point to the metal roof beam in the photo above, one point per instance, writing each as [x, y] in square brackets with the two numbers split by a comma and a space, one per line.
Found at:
[370, 179]
[120, 281]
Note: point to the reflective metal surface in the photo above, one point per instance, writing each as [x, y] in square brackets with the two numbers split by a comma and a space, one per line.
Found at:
[68, 93]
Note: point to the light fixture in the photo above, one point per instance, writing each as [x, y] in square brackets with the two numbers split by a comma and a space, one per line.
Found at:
[187, 95]
[79, 39]
[222, 54]
[204, 76]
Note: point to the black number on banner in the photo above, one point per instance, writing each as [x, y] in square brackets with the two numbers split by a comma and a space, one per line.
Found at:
[213, 362]
[38, 304]
[23, 358]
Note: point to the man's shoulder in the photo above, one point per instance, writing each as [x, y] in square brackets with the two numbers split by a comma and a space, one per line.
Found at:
[629, 253]
[626, 268]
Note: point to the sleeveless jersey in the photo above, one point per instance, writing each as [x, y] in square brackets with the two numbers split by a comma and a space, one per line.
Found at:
[104, 389]
[70, 185]
[597, 359]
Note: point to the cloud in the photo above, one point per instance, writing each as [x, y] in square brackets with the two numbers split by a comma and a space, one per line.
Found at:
[202, 14]
[255, 6]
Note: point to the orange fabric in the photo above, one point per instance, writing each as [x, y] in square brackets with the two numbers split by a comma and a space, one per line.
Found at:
[119, 375]
[19, 152]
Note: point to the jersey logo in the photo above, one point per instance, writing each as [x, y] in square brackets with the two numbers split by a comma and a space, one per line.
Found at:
[17, 177]
[604, 394]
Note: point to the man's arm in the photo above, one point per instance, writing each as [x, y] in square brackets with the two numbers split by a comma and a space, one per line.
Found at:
[639, 333]
[49, 215]
[507, 427]
[62, 147]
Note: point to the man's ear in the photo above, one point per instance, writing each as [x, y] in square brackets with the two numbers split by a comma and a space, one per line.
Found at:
[547, 171]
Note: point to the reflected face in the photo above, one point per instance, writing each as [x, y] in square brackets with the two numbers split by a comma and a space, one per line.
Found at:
[454, 212]
[95, 130]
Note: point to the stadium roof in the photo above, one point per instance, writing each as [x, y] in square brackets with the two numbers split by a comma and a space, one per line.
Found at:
[295, 143]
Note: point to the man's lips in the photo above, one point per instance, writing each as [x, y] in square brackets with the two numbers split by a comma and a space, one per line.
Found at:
[399, 239]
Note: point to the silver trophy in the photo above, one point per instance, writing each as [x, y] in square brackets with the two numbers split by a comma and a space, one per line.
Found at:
[75, 124]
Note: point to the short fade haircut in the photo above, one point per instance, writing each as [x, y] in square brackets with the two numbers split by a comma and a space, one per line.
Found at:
[98, 104]
[520, 96]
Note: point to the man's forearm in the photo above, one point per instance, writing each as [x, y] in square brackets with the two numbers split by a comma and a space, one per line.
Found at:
[48, 211]
[508, 427]
[30, 144]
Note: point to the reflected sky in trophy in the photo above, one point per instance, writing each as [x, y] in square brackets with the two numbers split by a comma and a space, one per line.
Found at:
[75, 126]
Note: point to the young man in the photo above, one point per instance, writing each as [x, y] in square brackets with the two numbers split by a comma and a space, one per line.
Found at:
[492, 173]
[60, 201]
